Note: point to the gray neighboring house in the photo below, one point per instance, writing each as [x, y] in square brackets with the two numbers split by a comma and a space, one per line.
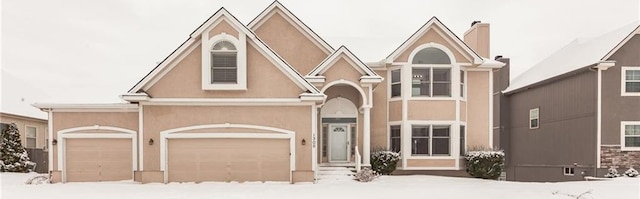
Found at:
[576, 113]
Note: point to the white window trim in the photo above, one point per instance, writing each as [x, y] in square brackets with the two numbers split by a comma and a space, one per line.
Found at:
[27, 137]
[432, 67]
[531, 118]
[430, 155]
[623, 85]
[623, 146]
[564, 171]
[390, 78]
[241, 47]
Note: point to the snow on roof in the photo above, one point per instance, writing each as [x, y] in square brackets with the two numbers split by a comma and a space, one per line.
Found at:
[18, 95]
[579, 53]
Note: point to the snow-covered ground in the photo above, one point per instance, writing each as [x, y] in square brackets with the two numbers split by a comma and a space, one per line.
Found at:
[384, 187]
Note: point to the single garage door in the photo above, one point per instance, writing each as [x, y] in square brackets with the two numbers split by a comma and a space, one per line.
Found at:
[98, 159]
[216, 159]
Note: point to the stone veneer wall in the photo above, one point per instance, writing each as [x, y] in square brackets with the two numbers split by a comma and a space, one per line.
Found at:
[613, 156]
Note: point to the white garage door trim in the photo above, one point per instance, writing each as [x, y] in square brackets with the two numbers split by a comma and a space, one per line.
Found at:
[68, 134]
[176, 134]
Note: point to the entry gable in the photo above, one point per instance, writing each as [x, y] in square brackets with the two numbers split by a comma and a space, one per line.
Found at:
[435, 29]
[224, 25]
[289, 37]
[367, 75]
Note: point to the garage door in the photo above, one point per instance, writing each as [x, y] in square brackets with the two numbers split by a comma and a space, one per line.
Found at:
[93, 160]
[216, 159]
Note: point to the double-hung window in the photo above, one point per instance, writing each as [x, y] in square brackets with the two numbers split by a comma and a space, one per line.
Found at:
[534, 118]
[463, 142]
[630, 135]
[631, 81]
[461, 83]
[31, 135]
[396, 84]
[224, 67]
[394, 138]
[431, 140]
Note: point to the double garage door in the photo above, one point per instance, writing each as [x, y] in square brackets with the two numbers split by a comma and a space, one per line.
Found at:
[228, 159]
[98, 159]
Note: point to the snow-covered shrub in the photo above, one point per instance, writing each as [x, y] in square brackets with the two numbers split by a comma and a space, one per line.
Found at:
[613, 173]
[486, 164]
[13, 156]
[366, 175]
[384, 162]
[38, 179]
[631, 172]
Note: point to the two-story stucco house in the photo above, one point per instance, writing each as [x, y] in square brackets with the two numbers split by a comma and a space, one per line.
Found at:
[576, 113]
[272, 101]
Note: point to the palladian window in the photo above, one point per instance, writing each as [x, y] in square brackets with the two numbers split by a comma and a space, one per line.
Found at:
[433, 79]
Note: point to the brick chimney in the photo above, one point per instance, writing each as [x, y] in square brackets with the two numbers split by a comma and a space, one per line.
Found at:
[477, 37]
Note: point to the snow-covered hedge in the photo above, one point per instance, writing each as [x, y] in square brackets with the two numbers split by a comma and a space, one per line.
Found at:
[384, 162]
[613, 173]
[487, 164]
[631, 173]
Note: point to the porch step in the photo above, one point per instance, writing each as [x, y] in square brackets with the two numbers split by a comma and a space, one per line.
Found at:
[335, 173]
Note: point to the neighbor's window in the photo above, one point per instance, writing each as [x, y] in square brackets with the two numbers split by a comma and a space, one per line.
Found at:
[534, 118]
[430, 140]
[396, 85]
[569, 171]
[631, 135]
[631, 81]
[224, 67]
[424, 79]
[462, 140]
[31, 137]
[394, 139]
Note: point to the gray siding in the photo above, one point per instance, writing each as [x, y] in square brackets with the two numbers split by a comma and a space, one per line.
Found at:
[616, 108]
[567, 133]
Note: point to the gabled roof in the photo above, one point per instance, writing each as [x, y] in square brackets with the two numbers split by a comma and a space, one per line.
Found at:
[434, 21]
[276, 5]
[330, 60]
[222, 12]
[578, 54]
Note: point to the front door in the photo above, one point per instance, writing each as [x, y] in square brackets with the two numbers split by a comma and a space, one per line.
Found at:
[339, 143]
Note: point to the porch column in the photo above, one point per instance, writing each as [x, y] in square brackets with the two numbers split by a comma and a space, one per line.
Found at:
[366, 138]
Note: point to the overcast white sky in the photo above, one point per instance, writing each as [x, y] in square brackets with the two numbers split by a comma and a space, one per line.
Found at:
[92, 51]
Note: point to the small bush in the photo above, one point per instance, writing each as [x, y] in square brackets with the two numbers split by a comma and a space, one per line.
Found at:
[366, 175]
[631, 173]
[39, 179]
[384, 162]
[613, 173]
[486, 164]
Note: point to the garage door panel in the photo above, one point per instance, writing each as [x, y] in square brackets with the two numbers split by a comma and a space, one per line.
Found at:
[228, 159]
[98, 159]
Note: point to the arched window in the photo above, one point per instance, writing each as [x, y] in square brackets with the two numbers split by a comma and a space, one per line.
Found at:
[431, 56]
[224, 66]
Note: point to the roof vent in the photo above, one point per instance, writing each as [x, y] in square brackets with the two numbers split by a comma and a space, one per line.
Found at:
[498, 57]
[475, 22]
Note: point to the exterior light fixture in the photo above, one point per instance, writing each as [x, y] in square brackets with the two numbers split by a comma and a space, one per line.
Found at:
[54, 142]
[150, 141]
[304, 142]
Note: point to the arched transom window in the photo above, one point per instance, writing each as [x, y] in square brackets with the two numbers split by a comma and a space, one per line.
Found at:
[224, 66]
[431, 56]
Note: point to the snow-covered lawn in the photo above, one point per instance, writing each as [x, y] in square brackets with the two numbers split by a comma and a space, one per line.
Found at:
[384, 187]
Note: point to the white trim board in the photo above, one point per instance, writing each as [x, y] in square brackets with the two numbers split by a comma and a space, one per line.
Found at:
[347, 55]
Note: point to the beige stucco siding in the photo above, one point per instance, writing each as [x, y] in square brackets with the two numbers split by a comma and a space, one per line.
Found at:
[342, 69]
[22, 123]
[379, 114]
[463, 111]
[395, 111]
[223, 27]
[184, 80]
[478, 109]
[432, 110]
[433, 36]
[161, 118]
[431, 163]
[67, 120]
[290, 43]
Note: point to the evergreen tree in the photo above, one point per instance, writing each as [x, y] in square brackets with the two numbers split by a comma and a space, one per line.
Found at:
[13, 156]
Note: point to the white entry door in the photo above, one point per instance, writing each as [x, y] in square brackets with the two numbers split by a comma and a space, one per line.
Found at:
[339, 143]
